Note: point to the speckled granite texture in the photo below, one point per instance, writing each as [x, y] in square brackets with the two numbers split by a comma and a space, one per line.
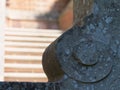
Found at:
[28, 86]
[89, 55]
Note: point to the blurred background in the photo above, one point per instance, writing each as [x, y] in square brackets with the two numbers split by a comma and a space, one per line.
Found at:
[40, 14]
[30, 26]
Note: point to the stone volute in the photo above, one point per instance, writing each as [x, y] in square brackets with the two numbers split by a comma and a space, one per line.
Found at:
[88, 56]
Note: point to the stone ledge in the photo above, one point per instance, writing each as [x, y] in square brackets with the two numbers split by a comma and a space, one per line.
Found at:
[29, 86]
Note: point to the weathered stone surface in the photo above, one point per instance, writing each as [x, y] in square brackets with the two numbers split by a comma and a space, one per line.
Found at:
[89, 55]
[51, 65]
[29, 86]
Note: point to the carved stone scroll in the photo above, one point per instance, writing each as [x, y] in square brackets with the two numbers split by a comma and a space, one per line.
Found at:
[89, 56]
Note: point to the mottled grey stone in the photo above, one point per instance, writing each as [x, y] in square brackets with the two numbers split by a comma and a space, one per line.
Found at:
[90, 55]
[29, 86]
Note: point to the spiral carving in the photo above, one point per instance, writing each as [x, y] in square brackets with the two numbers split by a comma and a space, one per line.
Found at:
[86, 58]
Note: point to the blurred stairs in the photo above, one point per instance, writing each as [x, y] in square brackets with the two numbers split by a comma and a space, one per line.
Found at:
[23, 53]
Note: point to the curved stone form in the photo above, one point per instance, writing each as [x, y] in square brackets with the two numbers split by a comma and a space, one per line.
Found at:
[89, 56]
[84, 59]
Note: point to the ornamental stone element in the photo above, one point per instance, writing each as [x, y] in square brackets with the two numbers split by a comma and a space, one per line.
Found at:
[88, 56]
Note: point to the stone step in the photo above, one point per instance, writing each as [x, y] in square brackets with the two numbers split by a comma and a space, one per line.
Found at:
[23, 70]
[29, 50]
[25, 79]
[23, 57]
[34, 34]
[29, 39]
[15, 65]
[23, 75]
[34, 30]
[23, 53]
[26, 44]
[22, 61]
